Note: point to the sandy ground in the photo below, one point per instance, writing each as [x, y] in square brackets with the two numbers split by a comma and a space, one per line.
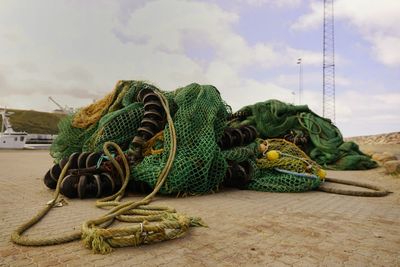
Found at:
[246, 228]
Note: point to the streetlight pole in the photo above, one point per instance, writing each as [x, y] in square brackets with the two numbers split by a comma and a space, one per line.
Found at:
[299, 61]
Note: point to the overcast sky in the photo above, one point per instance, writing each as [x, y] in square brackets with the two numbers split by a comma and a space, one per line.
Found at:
[75, 51]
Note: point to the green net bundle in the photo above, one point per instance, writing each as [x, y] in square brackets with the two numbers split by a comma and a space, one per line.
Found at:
[285, 168]
[200, 117]
[199, 166]
[274, 119]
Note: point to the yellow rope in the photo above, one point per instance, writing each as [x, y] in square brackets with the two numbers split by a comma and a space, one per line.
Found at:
[17, 237]
[169, 224]
[148, 147]
[92, 113]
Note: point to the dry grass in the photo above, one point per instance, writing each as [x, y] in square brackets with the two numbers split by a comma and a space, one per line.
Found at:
[35, 122]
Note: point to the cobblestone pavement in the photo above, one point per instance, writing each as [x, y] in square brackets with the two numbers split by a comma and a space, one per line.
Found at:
[246, 228]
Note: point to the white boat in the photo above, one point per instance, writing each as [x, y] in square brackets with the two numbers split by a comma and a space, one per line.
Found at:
[9, 138]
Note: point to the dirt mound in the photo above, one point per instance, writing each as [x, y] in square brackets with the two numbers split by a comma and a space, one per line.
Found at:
[388, 138]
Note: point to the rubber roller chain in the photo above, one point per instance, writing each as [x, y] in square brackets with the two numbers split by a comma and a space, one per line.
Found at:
[237, 174]
[241, 136]
[239, 115]
[83, 179]
[153, 120]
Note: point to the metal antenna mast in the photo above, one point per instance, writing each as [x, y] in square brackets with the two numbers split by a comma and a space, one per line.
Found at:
[328, 105]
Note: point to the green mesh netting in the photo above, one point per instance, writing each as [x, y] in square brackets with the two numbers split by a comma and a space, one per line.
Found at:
[200, 117]
[302, 173]
[274, 118]
[274, 181]
[119, 126]
[199, 166]
[247, 154]
[69, 139]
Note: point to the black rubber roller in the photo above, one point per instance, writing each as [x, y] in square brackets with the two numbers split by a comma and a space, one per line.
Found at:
[53, 174]
[152, 124]
[250, 133]
[146, 133]
[108, 184]
[49, 181]
[238, 137]
[73, 158]
[142, 93]
[82, 160]
[63, 162]
[153, 115]
[51, 177]
[82, 184]
[69, 186]
[240, 115]
[153, 105]
[227, 140]
[150, 97]
[238, 175]
[93, 159]
[138, 141]
[55, 171]
[89, 186]
[252, 130]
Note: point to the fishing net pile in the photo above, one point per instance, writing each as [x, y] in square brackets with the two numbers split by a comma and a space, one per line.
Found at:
[323, 140]
[214, 147]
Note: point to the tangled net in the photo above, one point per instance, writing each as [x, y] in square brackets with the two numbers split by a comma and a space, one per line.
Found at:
[124, 139]
[200, 117]
[325, 145]
[286, 168]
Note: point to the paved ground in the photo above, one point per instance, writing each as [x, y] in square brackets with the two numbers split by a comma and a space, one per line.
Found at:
[245, 227]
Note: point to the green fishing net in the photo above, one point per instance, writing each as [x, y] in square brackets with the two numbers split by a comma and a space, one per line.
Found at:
[200, 117]
[199, 166]
[274, 119]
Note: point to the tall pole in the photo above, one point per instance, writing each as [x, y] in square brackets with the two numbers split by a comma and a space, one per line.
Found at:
[328, 68]
[299, 61]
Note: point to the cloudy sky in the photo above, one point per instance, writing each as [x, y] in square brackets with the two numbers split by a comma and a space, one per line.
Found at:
[75, 51]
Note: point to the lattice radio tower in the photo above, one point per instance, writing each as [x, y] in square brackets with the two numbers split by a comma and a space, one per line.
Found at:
[328, 106]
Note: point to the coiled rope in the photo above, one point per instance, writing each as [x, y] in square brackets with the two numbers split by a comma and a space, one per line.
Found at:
[378, 191]
[95, 235]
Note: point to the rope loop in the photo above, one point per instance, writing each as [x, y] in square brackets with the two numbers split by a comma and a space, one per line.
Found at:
[167, 224]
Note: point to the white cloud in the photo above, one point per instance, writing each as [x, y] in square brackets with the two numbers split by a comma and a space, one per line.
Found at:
[311, 20]
[377, 113]
[389, 99]
[75, 49]
[375, 20]
[211, 25]
[386, 48]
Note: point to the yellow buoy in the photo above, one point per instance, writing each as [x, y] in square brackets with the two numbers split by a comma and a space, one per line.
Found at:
[321, 173]
[273, 155]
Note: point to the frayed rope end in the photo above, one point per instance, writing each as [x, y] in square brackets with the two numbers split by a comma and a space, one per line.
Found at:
[93, 240]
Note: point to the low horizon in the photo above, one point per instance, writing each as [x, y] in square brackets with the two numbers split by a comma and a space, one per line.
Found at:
[344, 136]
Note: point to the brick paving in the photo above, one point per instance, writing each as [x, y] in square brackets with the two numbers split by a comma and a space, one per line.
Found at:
[246, 228]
